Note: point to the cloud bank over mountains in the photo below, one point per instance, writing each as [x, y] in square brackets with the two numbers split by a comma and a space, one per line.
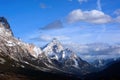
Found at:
[93, 16]
[85, 26]
[81, 27]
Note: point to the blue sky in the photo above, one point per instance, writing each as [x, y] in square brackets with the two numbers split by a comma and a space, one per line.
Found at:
[71, 21]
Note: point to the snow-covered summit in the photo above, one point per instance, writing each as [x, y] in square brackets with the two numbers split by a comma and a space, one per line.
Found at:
[54, 45]
[54, 49]
[5, 27]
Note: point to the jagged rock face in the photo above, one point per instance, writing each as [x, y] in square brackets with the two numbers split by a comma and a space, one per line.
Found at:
[14, 52]
[15, 46]
[65, 59]
[54, 49]
[52, 58]
[5, 27]
[33, 50]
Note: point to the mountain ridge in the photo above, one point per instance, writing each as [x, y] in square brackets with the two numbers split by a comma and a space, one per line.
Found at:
[53, 58]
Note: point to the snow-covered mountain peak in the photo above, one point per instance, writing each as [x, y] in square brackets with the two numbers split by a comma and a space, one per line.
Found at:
[55, 41]
[54, 50]
[5, 27]
[53, 47]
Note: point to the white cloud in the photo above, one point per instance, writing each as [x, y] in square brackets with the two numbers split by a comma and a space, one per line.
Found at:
[117, 19]
[95, 50]
[99, 5]
[117, 12]
[81, 1]
[45, 37]
[93, 16]
[49, 37]
[95, 57]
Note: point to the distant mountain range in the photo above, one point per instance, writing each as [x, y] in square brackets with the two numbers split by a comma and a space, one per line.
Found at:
[112, 72]
[18, 57]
